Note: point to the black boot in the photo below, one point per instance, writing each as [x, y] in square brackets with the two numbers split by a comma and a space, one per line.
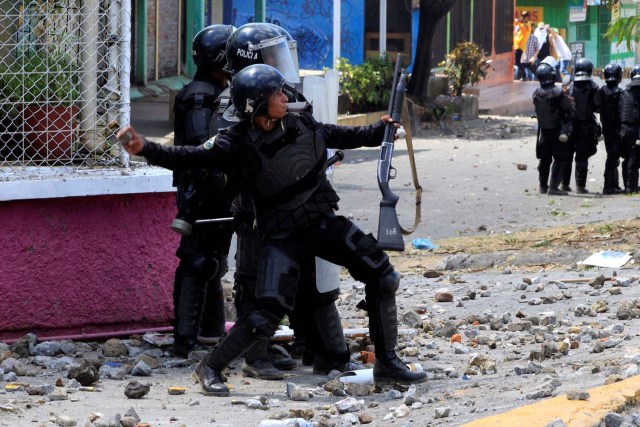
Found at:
[391, 370]
[280, 358]
[566, 176]
[238, 341]
[632, 181]
[188, 314]
[556, 192]
[582, 168]
[543, 175]
[331, 351]
[211, 380]
[257, 363]
[383, 327]
[610, 179]
[616, 180]
[557, 169]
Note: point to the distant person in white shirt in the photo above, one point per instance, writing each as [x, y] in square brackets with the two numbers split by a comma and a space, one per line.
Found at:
[542, 45]
[562, 51]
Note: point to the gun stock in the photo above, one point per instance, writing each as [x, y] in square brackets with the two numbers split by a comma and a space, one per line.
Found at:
[389, 231]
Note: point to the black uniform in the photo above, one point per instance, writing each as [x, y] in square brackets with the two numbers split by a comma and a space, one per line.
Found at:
[607, 101]
[586, 130]
[629, 132]
[553, 110]
[314, 319]
[201, 194]
[284, 172]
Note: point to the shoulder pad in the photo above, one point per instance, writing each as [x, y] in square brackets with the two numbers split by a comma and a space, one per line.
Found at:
[223, 100]
[235, 129]
[225, 94]
[200, 86]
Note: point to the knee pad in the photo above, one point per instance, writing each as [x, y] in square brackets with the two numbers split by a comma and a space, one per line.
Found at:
[389, 284]
[262, 323]
[366, 247]
[247, 250]
[278, 277]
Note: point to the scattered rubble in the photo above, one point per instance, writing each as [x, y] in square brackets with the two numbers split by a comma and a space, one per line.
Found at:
[524, 336]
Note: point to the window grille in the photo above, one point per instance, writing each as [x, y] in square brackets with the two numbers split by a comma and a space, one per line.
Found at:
[64, 82]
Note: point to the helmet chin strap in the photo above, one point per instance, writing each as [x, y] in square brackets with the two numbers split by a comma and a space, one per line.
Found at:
[271, 120]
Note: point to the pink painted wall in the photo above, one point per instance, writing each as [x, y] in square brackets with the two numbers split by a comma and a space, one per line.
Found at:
[83, 265]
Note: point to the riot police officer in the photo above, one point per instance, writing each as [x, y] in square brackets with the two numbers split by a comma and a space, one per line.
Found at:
[607, 101]
[315, 317]
[586, 130]
[630, 130]
[282, 157]
[553, 110]
[198, 295]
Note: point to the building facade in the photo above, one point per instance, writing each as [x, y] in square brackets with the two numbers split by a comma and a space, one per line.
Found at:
[582, 24]
[171, 25]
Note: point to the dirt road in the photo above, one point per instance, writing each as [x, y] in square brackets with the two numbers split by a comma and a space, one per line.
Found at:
[472, 185]
[531, 325]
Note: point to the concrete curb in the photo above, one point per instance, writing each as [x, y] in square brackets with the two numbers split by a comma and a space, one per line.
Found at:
[574, 413]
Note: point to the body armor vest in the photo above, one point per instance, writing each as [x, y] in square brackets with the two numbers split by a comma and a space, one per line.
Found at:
[292, 164]
[547, 105]
[194, 107]
[583, 100]
[630, 104]
[610, 109]
[218, 122]
[198, 98]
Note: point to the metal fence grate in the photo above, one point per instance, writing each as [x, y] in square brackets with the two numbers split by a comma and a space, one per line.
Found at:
[64, 81]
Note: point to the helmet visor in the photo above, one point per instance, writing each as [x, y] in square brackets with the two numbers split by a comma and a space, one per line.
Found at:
[293, 49]
[275, 52]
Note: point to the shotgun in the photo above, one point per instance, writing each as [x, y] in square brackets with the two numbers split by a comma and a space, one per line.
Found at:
[389, 231]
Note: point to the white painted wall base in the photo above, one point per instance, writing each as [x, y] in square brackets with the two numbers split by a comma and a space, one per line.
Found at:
[26, 183]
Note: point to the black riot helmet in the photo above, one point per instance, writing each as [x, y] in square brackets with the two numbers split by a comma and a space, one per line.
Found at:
[612, 73]
[546, 74]
[252, 87]
[260, 43]
[209, 46]
[584, 69]
[634, 74]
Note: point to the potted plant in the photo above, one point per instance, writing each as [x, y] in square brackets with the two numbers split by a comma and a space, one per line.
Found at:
[368, 85]
[42, 84]
[465, 64]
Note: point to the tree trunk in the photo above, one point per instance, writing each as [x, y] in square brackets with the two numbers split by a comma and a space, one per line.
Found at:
[431, 11]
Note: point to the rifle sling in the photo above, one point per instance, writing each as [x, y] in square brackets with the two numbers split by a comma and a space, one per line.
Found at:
[406, 120]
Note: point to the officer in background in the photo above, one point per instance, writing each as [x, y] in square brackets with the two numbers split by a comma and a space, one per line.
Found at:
[630, 130]
[273, 148]
[607, 102]
[553, 110]
[198, 296]
[586, 130]
[315, 316]
[262, 361]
